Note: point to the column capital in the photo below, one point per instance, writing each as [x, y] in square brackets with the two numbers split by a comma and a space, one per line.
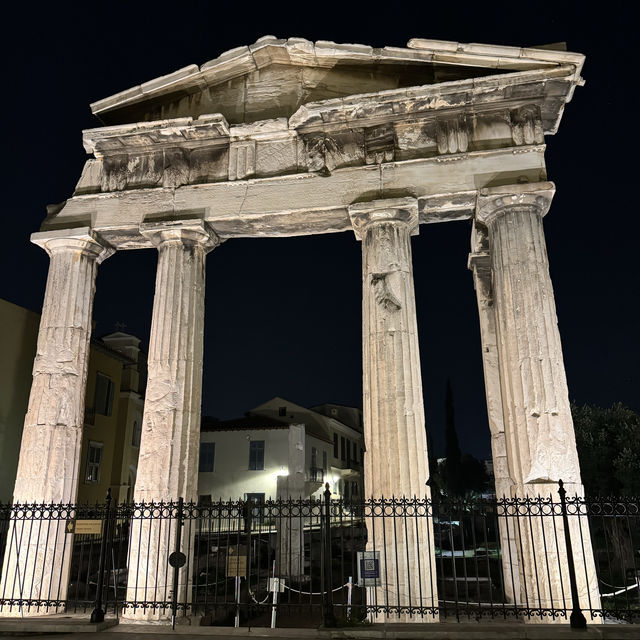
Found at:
[82, 239]
[493, 202]
[186, 232]
[388, 210]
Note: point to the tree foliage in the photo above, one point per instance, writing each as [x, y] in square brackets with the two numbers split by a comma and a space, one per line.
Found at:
[608, 442]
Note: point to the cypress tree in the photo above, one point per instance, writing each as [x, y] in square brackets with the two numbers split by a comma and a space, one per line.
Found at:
[453, 469]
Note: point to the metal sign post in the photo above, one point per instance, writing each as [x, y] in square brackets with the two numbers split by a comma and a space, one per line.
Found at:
[97, 615]
[369, 574]
[177, 560]
[276, 586]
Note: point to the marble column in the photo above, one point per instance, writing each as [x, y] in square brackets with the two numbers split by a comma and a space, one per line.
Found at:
[168, 461]
[396, 463]
[480, 265]
[290, 531]
[37, 555]
[538, 428]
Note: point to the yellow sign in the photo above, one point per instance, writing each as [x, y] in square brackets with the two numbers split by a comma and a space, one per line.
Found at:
[236, 562]
[92, 527]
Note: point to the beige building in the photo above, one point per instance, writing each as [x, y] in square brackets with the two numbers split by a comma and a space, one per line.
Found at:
[17, 349]
[113, 412]
[113, 419]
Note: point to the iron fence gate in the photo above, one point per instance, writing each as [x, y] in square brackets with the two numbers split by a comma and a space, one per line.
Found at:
[307, 562]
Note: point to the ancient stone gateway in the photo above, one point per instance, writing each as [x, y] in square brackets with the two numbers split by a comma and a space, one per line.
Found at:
[288, 137]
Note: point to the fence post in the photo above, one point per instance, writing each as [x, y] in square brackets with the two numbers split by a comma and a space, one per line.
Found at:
[97, 615]
[329, 617]
[577, 619]
[248, 527]
[177, 565]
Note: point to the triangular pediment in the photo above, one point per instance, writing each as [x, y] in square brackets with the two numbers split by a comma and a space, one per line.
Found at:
[274, 78]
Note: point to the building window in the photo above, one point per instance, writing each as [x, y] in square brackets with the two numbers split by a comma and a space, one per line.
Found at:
[324, 462]
[348, 453]
[94, 459]
[362, 456]
[103, 398]
[314, 457]
[204, 500]
[137, 432]
[256, 455]
[343, 448]
[207, 456]
[335, 445]
[354, 489]
[282, 411]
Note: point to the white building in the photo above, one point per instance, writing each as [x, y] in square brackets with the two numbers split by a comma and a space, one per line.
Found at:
[243, 458]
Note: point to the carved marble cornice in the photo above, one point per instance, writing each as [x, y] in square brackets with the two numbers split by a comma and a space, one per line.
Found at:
[497, 201]
[304, 53]
[145, 136]
[510, 89]
[402, 211]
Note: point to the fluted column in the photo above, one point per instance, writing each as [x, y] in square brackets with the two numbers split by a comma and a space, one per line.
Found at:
[37, 555]
[396, 463]
[539, 434]
[480, 265]
[168, 461]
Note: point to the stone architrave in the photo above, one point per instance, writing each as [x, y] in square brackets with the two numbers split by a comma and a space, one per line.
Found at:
[538, 427]
[168, 461]
[38, 552]
[480, 265]
[396, 463]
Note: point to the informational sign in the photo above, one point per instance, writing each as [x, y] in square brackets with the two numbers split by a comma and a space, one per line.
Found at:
[368, 568]
[91, 527]
[237, 561]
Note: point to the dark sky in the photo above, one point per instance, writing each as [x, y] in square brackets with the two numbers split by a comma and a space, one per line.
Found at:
[283, 315]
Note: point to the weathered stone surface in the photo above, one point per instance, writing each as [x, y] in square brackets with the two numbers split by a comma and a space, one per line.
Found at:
[538, 428]
[480, 265]
[395, 463]
[168, 461]
[245, 83]
[288, 137]
[302, 203]
[35, 565]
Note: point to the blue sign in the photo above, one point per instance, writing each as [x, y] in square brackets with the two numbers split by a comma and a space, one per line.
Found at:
[368, 568]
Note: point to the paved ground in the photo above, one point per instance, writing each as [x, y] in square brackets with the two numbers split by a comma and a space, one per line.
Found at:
[77, 628]
[428, 632]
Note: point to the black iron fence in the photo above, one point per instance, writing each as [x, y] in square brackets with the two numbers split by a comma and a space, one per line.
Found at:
[307, 562]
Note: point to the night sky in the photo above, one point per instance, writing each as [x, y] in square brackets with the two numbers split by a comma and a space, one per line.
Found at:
[283, 316]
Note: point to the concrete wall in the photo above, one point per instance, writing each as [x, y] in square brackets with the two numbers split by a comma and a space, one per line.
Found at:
[231, 477]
